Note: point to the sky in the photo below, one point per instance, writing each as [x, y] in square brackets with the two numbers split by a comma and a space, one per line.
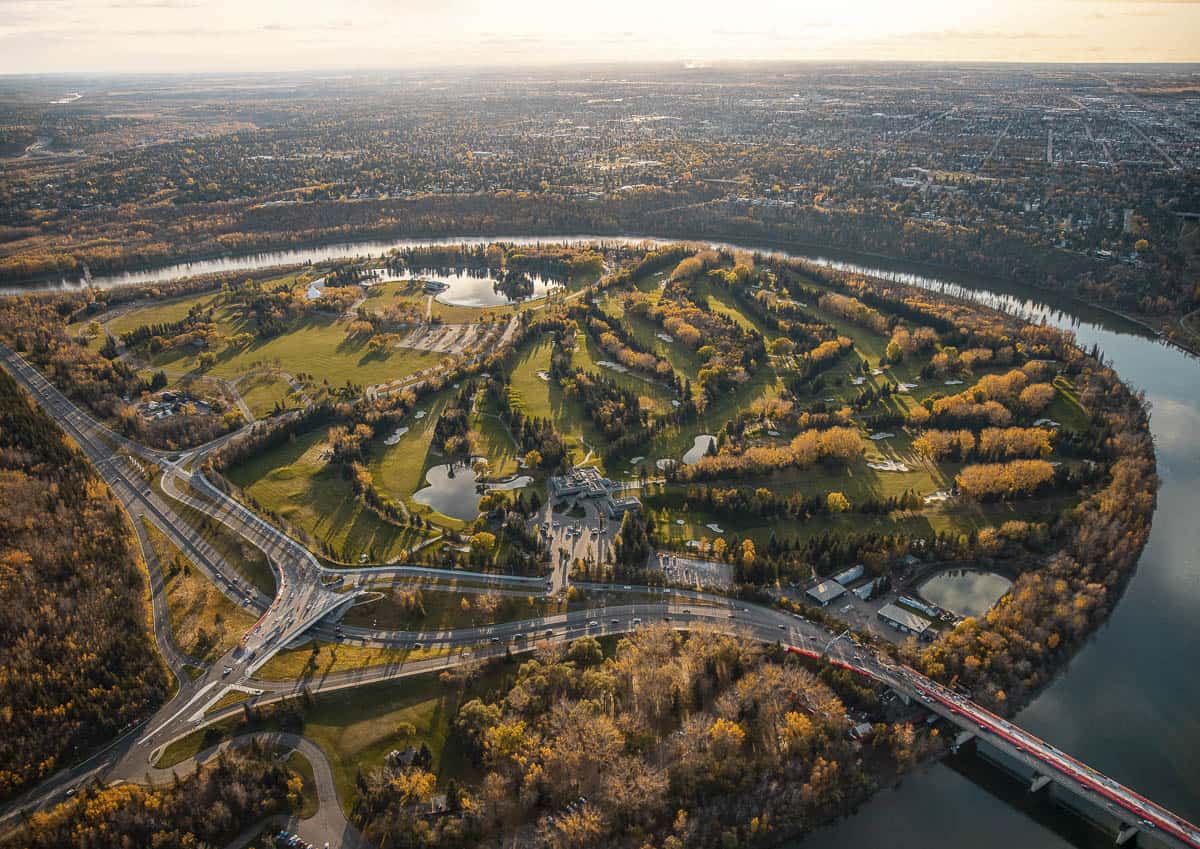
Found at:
[40, 36]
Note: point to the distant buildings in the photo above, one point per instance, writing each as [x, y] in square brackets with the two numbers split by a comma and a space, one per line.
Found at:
[587, 482]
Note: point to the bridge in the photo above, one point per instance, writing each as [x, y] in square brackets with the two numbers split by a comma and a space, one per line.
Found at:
[303, 601]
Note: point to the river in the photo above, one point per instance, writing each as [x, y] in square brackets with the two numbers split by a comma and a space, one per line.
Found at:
[1127, 702]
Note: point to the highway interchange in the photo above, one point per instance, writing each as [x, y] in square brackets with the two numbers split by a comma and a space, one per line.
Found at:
[307, 593]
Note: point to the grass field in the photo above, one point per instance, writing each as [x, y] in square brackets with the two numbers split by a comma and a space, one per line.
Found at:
[310, 802]
[316, 345]
[293, 664]
[357, 728]
[250, 563]
[588, 354]
[294, 481]
[444, 610]
[543, 399]
[205, 624]
[961, 516]
[263, 391]
[399, 469]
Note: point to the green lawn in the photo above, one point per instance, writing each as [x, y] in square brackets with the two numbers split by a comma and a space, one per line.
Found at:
[588, 353]
[399, 469]
[444, 610]
[960, 516]
[263, 391]
[204, 622]
[544, 399]
[160, 312]
[295, 481]
[249, 561]
[291, 664]
[1065, 408]
[310, 802]
[316, 345]
[356, 728]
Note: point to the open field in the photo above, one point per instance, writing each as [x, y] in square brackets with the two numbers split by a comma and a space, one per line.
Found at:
[542, 399]
[444, 610]
[263, 391]
[297, 483]
[204, 623]
[302, 662]
[316, 345]
[960, 516]
[246, 559]
[357, 728]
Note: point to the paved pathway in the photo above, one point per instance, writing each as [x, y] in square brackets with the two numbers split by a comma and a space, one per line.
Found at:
[327, 825]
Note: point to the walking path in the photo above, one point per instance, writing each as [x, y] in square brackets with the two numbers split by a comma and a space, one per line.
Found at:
[327, 825]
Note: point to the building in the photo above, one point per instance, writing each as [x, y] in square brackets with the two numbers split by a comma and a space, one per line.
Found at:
[866, 590]
[587, 482]
[850, 575]
[825, 592]
[905, 620]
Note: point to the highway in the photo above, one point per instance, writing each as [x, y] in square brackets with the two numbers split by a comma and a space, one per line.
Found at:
[303, 598]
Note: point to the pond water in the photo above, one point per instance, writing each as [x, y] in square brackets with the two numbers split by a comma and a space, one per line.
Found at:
[454, 490]
[482, 288]
[699, 448]
[967, 592]
[1125, 704]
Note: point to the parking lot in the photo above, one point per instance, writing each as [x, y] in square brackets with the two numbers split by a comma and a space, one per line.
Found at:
[693, 572]
[587, 537]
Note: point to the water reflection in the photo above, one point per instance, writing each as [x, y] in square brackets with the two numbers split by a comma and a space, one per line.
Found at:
[1126, 703]
[485, 288]
[967, 592]
[454, 489]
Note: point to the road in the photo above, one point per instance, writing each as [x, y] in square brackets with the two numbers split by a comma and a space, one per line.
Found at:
[303, 598]
[327, 825]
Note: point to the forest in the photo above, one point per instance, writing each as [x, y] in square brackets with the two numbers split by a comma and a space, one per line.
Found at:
[78, 664]
[208, 809]
[702, 740]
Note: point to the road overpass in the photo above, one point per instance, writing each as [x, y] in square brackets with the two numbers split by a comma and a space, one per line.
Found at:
[303, 599]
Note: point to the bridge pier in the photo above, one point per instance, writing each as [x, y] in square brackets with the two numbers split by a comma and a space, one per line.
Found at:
[1126, 833]
[1039, 781]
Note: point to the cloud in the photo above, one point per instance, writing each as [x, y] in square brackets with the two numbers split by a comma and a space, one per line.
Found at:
[154, 4]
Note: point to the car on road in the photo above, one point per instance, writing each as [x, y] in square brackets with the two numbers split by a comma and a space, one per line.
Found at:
[593, 624]
[495, 639]
[615, 621]
[225, 672]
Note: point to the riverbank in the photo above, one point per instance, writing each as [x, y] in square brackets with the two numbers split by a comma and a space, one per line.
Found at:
[371, 242]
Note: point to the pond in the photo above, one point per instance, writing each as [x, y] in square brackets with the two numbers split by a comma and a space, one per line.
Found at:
[699, 448]
[967, 592]
[454, 490]
[1122, 668]
[471, 287]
